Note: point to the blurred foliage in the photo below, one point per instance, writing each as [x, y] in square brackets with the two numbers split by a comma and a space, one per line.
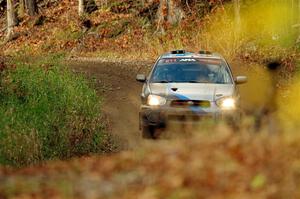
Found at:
[222, 165]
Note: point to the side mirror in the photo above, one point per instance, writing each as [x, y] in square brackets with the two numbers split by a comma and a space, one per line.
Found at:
[141, 78]
[241, 79]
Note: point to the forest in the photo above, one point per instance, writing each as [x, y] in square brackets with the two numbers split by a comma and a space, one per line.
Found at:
[85, 28]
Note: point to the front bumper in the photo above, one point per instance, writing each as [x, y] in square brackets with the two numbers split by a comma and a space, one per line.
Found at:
[160, 116]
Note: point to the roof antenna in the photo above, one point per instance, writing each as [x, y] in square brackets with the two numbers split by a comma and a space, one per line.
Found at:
[175, 52]
[205, 52]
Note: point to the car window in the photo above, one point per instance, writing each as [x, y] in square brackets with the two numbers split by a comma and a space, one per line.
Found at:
[191, 70]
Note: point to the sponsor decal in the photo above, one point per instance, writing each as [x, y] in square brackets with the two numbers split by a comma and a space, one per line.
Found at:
[187, 60]
[202, 61]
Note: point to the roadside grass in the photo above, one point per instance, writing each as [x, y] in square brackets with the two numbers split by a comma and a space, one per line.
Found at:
[47, 112]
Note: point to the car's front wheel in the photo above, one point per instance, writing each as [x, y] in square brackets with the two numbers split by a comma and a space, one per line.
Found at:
[148, 132]
[235, 122]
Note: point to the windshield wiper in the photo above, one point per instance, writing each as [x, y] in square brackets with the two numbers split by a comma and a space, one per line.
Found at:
[194, 81]
[197, 81]
[163, 81]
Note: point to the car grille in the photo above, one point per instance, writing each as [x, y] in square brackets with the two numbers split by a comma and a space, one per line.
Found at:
[187, 118]
[184, 117]
[188, 103]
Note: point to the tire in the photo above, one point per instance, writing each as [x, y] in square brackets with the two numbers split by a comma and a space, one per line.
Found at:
[148, 132]
[235, 122]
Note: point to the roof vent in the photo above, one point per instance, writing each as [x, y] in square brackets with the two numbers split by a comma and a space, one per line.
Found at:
[205, 52]
[175, 52]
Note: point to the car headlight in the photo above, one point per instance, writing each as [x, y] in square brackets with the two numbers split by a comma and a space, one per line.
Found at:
[227, 103]
[155, 100]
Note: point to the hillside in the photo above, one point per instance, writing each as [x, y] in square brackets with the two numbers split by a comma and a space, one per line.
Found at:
[131, 29]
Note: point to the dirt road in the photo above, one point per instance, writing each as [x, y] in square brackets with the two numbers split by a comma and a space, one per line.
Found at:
[115, 83]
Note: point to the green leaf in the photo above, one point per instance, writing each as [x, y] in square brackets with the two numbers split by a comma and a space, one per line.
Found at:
[258, 181]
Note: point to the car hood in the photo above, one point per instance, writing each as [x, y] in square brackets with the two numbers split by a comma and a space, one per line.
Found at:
[192, 91]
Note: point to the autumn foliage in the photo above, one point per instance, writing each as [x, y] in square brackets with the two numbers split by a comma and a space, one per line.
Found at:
[115, 25]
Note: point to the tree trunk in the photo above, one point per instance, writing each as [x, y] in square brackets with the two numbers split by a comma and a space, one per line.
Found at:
[237, 16]
[237, 20]
[81, 8]
[298, 40]
[31, 7]
[11, 19]
[161, 16]
[22, 8]
[168, 12]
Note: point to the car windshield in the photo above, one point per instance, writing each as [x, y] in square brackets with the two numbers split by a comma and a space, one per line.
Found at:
[192, 70]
